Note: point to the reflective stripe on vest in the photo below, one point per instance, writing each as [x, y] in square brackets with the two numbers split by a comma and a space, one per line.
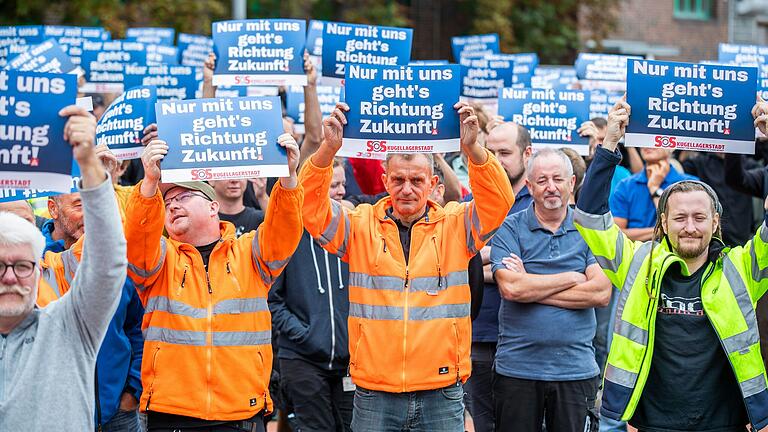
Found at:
[602, 223]
[70, 265]
[50, 277]
[143, 273]
[338, 216]
[199, 338]
[758, 274]
[273, 266]
[232, 306]
[395, 283]
[375, 312]
[742, 342]
[468, 230]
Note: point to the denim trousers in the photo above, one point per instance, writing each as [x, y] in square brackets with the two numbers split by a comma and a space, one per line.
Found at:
[420, 411]
[123, 421]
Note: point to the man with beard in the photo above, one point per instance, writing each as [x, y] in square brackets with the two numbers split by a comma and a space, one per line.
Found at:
[686, 350]
[550, 284]
[48, 355]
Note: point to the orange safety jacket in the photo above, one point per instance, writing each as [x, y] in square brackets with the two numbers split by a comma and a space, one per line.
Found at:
[59, 271]
[207, 349]
[409, 324]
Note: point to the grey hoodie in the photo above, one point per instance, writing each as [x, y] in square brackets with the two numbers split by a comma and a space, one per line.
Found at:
[47, 362]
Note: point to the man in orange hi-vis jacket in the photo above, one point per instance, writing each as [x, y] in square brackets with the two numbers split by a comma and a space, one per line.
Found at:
[409, 302]
[207, 327]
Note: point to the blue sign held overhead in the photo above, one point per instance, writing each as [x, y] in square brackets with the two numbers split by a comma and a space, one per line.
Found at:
[602, 67]
[745, 55]
[406, 109]
[46, 57]
[474, 46]
[558, 78]
[482, 78]
[364, 45]
[327, 96]
[15, 40]
[162, 54]
[8, 195]
[551, 116]
[122, 125]
[71, 38]
[601, 102]
[221, 139]
[104, 64]
[259, 52]
[315, 38]
[33, 153]
[171, 81]
[194, 49]
[151, 35]
[688, 106]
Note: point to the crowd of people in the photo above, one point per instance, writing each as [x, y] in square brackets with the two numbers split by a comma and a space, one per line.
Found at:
[501, 287]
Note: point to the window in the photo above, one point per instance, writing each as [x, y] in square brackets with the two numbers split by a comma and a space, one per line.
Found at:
[693, 9]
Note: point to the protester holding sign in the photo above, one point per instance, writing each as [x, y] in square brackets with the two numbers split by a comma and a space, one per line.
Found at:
[58, 345]
[682, 285]
[408, 262]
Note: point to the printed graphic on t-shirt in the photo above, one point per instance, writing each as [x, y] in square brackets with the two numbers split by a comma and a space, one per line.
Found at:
[680, 305]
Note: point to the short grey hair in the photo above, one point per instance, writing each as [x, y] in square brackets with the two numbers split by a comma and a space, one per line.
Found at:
[17, 231]
[410, 156]
[566, 162]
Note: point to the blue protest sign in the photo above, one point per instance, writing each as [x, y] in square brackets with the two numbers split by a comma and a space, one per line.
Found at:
[363, 44]
[162, 54]
[315, 38]
[33, 153]
[8, 195]
[474, 46]
[104, 64]
[151, 35]
[601, 102]
[689, 106]
[742, 54]
[481, 78]
[427, 62]
[46, 57]
[194, 49]
[171, 81]
[602, 67]
[15, 40]
[220, 139]
[122, 125]
[71, 38]
[551, 116]
[558, 78]
[405, 109]
[327, 96]
[259, 52]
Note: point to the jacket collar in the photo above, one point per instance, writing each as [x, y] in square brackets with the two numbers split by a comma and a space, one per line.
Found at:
[434, 211]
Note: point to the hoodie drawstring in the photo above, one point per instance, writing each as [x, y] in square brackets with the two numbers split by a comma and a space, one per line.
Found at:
[338, 268]
[317, 269]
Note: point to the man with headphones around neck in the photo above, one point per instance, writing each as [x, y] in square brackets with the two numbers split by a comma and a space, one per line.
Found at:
[686, 350]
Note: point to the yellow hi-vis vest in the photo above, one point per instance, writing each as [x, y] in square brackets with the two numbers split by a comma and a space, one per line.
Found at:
[731, 287]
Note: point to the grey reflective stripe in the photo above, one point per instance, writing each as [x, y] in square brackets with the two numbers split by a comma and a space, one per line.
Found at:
[461, 310]
[593, 221]
[236, 306]
[265, 277]
[375, 312]
[164, 304]
[330, 231]
[272, 265]
[50, 276]
[242, 338]
[148, 273]
[178, 337]
[764, 232]
[751, 336]
[430, 283]
[634, 268]
[631, 332]
[364, 280]
[753, 386]
[758, 274]
[342, 250]
[485, 237]
[620, 376]
[468, 229]
[613, 264]
[70, 265]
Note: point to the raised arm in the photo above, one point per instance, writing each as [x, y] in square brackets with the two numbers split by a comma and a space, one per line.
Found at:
[313, 117]
[95, 290]
[209, 90]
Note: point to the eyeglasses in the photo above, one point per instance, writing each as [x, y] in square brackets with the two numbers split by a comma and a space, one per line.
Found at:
[183, 198]
[21, 269]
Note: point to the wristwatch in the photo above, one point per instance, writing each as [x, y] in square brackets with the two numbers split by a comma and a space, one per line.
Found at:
[657, 193]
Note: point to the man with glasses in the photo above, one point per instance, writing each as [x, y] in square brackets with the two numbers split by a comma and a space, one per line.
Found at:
[208, 353]
[47, 356]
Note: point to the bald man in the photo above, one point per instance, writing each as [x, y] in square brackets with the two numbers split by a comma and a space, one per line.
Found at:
[19, 208]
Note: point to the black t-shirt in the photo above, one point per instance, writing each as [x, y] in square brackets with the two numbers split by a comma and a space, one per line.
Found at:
[247, 220]
[691, 386]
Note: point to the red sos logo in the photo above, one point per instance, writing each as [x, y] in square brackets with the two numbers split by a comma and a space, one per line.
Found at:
[665, 141]
[201, 174]
[376, 146]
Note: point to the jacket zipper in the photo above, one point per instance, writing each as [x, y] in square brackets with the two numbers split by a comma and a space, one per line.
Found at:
[456, 333]
[405, 322]
[154, 377]
[330, 308]
[209, 339]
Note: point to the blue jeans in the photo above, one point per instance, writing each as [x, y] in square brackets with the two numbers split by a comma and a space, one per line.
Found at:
[123, 421]
[606, 316]
[429, 410]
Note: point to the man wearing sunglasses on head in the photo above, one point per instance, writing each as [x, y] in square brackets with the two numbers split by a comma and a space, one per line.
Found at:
[207, 349]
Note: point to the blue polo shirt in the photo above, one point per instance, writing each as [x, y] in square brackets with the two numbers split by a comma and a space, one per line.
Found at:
[632, 201]
[537, 341]
[485, 328]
